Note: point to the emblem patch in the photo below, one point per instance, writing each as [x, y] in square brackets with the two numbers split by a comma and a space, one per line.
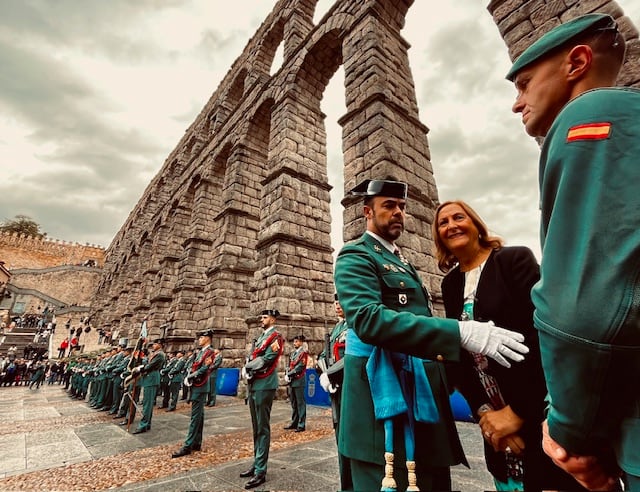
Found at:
[402, 299]
[590, 131]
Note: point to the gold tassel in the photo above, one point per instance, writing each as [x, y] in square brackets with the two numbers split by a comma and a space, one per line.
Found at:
[411, 476]
[388, 483]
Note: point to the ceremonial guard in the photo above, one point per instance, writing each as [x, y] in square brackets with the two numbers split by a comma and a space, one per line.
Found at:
[191, 357]
[176, 378]
[150, 381]
[118, 384]
[396, 424]
[262, 380]
[331, 363]
[213, 378]
[165, 380]
[295, 378]
[198, 380]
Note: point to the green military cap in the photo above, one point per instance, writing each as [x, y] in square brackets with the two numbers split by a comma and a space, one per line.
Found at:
[560, 35]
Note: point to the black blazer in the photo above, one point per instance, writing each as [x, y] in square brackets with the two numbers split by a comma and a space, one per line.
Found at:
[503, 296]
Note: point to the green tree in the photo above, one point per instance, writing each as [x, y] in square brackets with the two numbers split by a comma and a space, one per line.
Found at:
[22, 224]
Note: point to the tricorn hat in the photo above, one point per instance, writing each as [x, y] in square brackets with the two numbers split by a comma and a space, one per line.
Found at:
[271, 312]
[300, 337]
[381, 187]
[206, 333]
[158, 340]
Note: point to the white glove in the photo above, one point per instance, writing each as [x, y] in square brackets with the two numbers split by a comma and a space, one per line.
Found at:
[492, 341]
[287, 378]
[332, 388]
[324, 382]
[137, 370]
[243, 373]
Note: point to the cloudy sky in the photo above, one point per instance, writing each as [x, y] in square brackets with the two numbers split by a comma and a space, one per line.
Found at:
[95, 94]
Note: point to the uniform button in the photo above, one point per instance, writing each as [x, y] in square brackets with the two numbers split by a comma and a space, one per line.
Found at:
[439, 358]
[401, 284]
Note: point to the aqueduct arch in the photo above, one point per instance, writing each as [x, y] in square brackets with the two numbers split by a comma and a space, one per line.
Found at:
[238, 218]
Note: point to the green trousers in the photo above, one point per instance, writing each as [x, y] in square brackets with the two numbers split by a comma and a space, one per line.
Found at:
[196, 425]
[260, 402]
[148, 402]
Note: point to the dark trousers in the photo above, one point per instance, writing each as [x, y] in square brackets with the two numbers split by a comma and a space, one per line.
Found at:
[298, 407]
[260, 403]
[174, 391]
[196, 425]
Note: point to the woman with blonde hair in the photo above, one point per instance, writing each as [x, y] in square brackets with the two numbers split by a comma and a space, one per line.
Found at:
[488, 281]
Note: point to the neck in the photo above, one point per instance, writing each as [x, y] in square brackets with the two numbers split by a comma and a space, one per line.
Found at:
[472, 258]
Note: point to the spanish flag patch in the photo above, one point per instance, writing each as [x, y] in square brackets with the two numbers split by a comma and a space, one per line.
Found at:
[590, 131]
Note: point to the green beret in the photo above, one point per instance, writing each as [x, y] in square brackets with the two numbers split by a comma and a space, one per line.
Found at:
[558, 36]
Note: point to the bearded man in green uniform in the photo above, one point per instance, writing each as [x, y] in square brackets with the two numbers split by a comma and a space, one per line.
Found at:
[198, 379]
[262, 379]
[396, 424]
[586, 302]
[149, 382]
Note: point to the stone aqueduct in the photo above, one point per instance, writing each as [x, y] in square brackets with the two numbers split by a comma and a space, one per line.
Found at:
[238, 220]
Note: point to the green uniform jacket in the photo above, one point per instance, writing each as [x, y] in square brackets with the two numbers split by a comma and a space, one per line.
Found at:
[271, 357]
[176, 374]
[386, 305]
[298, 367]
[151, 370]
[588, 298]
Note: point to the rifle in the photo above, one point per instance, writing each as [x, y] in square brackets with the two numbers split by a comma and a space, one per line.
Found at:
[136, 359]
[246, 361]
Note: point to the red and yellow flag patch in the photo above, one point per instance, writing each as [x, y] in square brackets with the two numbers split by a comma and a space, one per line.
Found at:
[590, 131]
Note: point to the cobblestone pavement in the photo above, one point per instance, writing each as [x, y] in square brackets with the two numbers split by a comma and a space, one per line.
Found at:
[53, 443]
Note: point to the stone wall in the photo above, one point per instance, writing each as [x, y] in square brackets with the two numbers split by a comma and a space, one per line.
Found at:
[21, 251]
[71, 285]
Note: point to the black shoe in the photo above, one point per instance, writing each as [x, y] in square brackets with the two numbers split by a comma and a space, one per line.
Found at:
[258, 479]
[124, 422]
[119, 416]
[171, 409]
[196, 448]
[103, 409]
[183, 451]
[140, 430]
[289, 427]
[300, 429]
[248, 473]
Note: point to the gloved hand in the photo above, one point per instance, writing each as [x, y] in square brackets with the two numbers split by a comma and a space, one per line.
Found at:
[492, 341]
[243, 373]
[324, 382]
[287, 378]
[137, 370]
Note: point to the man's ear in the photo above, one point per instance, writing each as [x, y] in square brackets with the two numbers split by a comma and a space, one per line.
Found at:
[367, 211]
[579, 59]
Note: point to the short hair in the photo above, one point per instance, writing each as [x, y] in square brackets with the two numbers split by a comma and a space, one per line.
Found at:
[446, 259]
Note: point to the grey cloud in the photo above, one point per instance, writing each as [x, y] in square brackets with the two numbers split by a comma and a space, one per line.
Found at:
[93, 26]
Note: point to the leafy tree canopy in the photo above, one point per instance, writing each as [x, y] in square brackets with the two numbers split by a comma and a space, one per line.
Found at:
[22, 224]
